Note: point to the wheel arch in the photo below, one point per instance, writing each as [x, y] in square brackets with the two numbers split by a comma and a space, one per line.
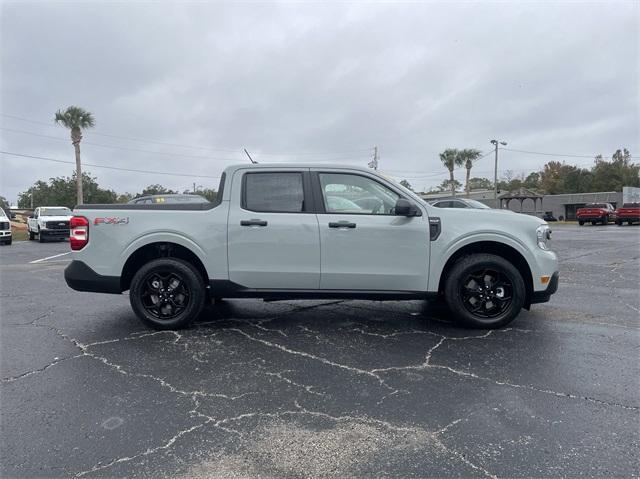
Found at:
[156, 250]
[497, 248]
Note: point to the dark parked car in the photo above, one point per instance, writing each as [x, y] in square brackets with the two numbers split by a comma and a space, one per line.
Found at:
[460, 203]
[548, 216]
[161, 199]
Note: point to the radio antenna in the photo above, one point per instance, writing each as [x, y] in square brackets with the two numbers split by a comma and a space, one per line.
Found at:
[250, 159]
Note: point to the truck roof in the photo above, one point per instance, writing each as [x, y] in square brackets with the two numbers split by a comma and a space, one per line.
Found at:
[232, 168]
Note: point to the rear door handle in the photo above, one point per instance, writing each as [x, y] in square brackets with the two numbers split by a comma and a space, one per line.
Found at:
[342, 224]
[253, 223]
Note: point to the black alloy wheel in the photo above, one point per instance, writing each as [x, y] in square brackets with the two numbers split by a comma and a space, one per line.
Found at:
[484, 291]
[167, 293]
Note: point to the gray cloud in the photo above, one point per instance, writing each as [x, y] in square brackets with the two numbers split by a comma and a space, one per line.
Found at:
[300, 81]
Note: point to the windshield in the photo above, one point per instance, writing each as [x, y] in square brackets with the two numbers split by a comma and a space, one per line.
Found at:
[477, 204]
[55, 212]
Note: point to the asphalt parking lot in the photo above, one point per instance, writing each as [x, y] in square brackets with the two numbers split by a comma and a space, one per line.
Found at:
[324, 388]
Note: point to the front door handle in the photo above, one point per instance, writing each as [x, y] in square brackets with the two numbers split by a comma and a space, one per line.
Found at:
[253, 223]
[342, 224]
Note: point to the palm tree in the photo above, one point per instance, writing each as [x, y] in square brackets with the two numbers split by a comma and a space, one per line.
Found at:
[451, 158]
[467, 157]
[76, 119]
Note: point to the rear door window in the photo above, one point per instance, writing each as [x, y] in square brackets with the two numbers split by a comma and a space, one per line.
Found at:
[273, 192]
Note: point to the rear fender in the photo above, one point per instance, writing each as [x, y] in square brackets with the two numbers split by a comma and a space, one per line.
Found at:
[162, 237]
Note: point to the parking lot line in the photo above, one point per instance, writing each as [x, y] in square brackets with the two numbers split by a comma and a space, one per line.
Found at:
[48, 257]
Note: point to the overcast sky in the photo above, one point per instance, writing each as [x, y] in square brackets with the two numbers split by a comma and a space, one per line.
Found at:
[314, 82]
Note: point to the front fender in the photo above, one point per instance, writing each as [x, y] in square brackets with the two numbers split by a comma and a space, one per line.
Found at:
[440, 256]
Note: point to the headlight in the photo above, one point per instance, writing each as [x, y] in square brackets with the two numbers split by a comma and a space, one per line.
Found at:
[543, 234]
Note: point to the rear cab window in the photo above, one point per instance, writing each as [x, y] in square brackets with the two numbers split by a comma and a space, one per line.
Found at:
[273, 192]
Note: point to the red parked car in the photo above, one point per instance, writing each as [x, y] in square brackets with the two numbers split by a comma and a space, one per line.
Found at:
[596, 213]
[629, 212]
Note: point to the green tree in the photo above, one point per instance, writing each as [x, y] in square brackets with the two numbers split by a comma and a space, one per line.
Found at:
[156, 190]
[76, 119]
[466, 158]
[532, 181]
[480, 184]
[124, 198]
[613, 175]
[450, 159]
[61, 191]
[450, 185]
[406, 184]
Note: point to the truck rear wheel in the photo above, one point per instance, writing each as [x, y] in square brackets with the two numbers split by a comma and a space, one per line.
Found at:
[31, 235]
[484, 291]
[167, 293]
[581, 223]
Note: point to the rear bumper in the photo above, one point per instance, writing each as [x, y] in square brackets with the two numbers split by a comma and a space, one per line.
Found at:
[544, 296]
[81, 277]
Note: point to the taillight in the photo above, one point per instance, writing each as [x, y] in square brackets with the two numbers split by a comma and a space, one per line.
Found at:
[79, 235]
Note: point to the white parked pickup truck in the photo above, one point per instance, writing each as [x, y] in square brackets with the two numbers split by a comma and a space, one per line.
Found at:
[293, 231]
[5, 228]
[49, 222]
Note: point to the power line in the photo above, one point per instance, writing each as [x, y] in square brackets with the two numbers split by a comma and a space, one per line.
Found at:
[131, 170]
[196, 147]
[550, 154]
[143, 140]
[120, 147]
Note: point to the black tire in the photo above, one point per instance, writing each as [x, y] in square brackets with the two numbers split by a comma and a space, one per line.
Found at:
[629, 222]
[462, 295]
[619, 223]
[605, 220]
[594, 222]
[581, 223]
[40, 236]
[9, 242]
[31, 235]
[149, 301]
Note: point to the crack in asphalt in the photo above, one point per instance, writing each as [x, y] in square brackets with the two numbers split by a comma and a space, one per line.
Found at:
[222, 423]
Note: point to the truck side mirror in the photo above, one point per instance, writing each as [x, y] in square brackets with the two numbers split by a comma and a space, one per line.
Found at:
[405, 208]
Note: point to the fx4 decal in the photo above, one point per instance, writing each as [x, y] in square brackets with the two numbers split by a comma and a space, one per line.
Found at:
[111, 221]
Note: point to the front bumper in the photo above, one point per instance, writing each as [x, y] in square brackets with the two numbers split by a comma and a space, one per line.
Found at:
[544, 296]
[81, 277]
[55, 233]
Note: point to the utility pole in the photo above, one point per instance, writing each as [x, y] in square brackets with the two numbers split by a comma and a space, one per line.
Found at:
[374, 163]
[495, 171]
[194, 187]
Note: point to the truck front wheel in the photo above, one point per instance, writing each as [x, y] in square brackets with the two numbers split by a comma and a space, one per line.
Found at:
[167, 293]
[484, 291]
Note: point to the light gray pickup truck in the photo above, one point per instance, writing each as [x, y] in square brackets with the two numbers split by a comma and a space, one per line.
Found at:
[294, 231]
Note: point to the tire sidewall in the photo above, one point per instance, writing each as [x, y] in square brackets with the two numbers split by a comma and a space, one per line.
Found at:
[193, 282]
[468, 264]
